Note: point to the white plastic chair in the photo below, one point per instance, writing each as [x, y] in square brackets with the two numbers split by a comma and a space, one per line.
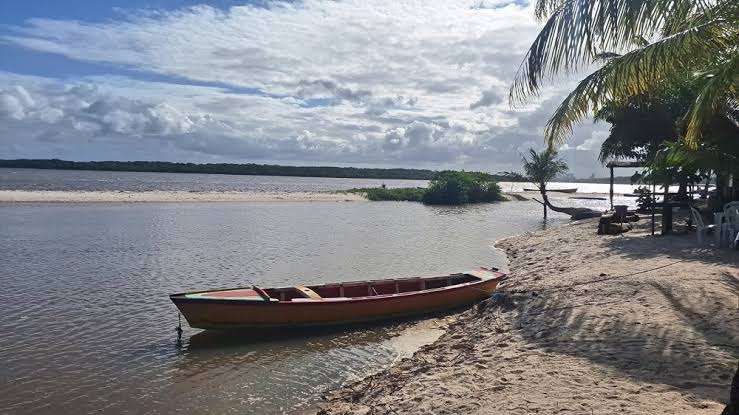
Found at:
[700, 226]
[730, 223]
[718, 220]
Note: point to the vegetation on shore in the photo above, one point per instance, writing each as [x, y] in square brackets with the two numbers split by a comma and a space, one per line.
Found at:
[458, 187]
[446, 188]
[379, 194]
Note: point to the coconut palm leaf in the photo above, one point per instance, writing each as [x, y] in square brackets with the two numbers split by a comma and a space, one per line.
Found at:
[575, 28]
[605, 56]
[640, 71]
[697, 36]
[717, 96]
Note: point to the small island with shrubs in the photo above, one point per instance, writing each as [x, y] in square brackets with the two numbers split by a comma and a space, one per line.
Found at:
[446, 188]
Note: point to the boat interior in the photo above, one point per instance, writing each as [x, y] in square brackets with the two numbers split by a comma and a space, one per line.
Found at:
[365, 288]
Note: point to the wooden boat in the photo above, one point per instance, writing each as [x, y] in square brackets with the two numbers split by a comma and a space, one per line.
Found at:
[335, 303]
[572, 190]
[587, 198]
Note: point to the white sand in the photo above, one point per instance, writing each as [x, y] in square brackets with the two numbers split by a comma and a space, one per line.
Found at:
[586, 324]
[22, 196]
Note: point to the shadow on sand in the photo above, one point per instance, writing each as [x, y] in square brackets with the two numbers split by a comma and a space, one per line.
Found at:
[633, 331]
[679, 246]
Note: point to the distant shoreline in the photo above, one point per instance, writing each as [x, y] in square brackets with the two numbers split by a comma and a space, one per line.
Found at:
[250, 169]
[156, 196]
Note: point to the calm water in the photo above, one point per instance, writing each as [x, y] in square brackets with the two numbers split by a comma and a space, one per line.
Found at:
[33, 179]
[87, 325]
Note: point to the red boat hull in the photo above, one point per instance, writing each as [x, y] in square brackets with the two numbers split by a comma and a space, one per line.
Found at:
[218, 313]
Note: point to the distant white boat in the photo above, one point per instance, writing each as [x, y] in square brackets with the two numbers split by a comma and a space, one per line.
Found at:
[572, 190]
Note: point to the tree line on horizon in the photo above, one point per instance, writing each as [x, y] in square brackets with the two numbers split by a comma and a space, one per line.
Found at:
[249, 169]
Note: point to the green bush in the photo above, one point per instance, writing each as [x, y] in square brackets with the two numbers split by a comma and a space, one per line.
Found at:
[458, 187]
[446, 188]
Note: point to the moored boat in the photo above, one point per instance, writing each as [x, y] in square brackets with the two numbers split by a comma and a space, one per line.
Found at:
[572, 190]
[334, 303]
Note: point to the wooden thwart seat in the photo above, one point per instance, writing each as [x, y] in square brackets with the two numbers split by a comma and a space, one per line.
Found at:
[307, 292]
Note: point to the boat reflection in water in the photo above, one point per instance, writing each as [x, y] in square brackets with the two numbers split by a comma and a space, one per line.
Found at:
[226, 369]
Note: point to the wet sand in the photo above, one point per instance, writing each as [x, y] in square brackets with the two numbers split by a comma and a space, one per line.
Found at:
[23, 196]
[586, 324]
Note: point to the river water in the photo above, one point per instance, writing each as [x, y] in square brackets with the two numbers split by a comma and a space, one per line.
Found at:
[74, 180]
[88, 327]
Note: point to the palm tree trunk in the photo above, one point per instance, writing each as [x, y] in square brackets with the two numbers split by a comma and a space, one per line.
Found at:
[682, 191]
[575, 213]
[708, 181]
[666, 193]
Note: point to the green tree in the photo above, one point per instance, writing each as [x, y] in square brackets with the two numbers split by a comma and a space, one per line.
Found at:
[697, 37]
[541, 168]
[643, 125]
[651, 128]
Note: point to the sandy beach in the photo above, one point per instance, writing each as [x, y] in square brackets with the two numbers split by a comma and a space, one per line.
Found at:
[586, 324]
[24, 196]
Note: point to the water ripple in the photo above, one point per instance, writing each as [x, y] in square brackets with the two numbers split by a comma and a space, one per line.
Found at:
[87, 325]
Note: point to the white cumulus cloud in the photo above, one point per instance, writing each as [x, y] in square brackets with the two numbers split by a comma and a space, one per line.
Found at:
[347, 82]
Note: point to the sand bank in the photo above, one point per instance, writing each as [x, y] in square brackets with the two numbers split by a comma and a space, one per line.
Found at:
[587, 324]
[22, 196]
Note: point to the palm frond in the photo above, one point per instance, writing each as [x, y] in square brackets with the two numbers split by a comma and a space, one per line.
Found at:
[544, 8]
[605, 56]
[732, 110]
[718, 95]
[568, 40]
[542, 167]
[638, 72]
[640, 41]
[590, 92]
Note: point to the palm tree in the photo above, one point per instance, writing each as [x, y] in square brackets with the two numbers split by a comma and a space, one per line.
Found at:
[541, 168]
[643, 45]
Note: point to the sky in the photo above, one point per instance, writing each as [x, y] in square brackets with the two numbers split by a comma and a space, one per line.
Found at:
[382, 83]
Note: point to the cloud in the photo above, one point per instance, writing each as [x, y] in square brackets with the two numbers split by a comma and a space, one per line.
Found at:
[348, 47]
[383, 83]
[488, 98]
[326, 88]
[15, 102]
[592, 143]
[11, 107]
[89, 109]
